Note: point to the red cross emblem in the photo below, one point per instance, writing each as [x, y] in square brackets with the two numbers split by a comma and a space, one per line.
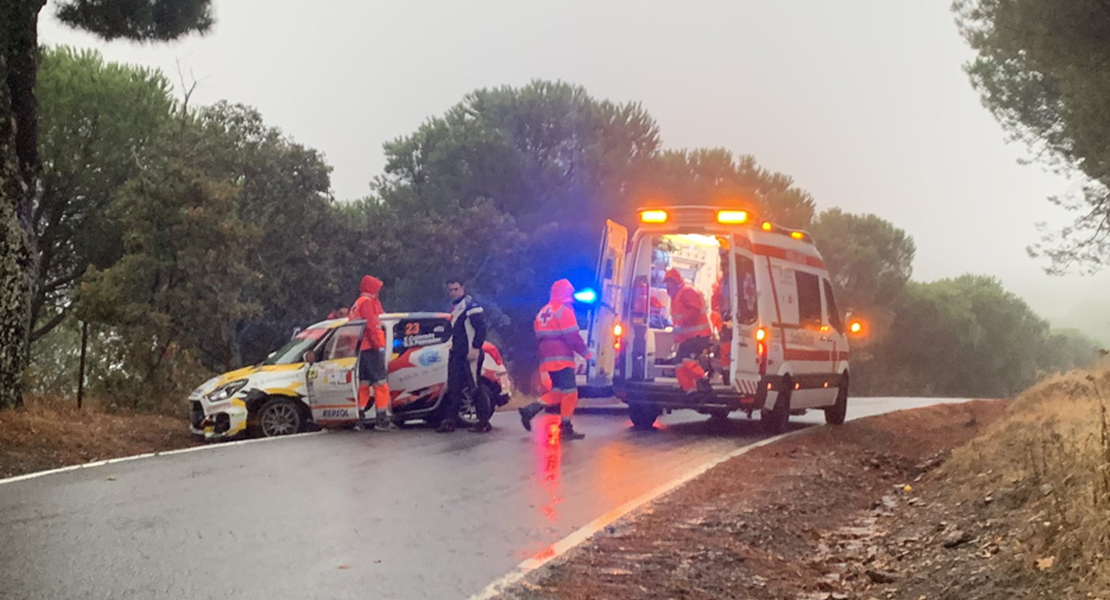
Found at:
[546, 315]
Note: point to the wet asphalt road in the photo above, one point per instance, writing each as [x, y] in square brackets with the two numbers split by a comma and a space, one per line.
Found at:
[344, 514]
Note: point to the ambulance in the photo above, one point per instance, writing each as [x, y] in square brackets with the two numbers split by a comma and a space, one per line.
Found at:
[782, 341]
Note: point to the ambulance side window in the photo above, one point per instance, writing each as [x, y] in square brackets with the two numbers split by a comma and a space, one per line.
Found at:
[834, 313]
[343, 343]
[809, 299]
[746, 293]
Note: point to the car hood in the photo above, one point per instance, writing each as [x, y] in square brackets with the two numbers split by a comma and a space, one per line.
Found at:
[246, 373]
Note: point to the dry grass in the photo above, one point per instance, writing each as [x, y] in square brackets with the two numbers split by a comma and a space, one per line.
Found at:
[49, 433]
[1050, 457]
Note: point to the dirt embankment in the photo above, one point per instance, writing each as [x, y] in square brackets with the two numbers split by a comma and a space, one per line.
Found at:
[861, 511]
[47, 435]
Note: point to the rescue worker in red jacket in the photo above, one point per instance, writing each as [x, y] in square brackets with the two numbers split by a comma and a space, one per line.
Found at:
[372, 372]
[557, 333]
[692, 332]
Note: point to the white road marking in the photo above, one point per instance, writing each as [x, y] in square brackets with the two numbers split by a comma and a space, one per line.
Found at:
[112, 461]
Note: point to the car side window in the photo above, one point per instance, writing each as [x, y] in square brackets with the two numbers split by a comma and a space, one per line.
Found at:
[420, 332]
[834, 313]
[809, 299]
[343, 343]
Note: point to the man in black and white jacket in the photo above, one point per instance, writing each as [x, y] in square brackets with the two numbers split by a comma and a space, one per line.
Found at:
[464, 366]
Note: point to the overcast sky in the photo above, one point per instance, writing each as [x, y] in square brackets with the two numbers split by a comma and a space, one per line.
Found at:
[863, 102]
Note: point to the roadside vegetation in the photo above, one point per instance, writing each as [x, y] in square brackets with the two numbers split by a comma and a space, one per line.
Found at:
[1049, 459]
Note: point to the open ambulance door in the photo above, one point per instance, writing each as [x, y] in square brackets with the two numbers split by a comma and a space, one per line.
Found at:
[603, 341]
[332, 382]
[746, 360]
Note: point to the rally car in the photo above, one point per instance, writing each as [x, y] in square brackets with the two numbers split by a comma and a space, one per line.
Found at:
[312, 381]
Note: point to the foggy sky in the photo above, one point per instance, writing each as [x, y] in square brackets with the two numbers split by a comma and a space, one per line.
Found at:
[864, 103]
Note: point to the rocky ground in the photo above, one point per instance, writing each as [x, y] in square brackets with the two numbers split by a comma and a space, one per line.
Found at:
[858, 511]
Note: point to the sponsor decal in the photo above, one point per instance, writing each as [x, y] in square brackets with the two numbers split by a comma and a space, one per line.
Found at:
[335, 413]
[423, 339]
[428, 358]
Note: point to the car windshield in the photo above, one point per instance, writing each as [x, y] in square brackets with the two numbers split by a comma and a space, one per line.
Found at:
[293, 352]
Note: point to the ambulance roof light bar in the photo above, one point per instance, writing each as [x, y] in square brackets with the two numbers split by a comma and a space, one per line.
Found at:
[732, 217]
[653, 216]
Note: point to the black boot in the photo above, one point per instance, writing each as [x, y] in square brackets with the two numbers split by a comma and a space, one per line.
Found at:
[446, 426]
[527, 413]
[567, 432]
[383, 422]
[483, 427]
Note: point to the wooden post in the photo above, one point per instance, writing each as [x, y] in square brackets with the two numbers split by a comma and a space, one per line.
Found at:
[81, 370]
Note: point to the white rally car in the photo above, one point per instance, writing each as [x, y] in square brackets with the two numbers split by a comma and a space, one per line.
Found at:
[312, 381]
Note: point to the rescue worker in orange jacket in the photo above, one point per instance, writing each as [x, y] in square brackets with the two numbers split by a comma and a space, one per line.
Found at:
[692, 333]
[559, 340]
[372, 372]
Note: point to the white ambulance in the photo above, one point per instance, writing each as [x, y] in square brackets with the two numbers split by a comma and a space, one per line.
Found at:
[783, 342]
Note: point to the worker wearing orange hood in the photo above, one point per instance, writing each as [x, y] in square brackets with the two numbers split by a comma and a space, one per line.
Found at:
[559, 340]
[692, 333]
[372, 372]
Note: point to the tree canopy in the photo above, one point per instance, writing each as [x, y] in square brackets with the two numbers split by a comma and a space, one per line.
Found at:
[1041, 70]
[20, 163]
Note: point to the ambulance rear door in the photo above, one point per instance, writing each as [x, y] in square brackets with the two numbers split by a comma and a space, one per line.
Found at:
[744, 367]
[603, 340]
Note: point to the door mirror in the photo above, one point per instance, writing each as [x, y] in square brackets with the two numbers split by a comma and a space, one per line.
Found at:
[310, 357]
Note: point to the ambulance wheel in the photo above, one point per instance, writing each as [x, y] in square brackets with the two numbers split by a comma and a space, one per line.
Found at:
[643, 417]
[776, 419]
[835, 414]
[278, 416]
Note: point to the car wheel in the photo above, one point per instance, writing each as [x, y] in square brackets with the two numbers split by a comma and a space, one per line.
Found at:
[776, 419]
[468, 409]
[643, 417]
[835, 414]
[278, 416]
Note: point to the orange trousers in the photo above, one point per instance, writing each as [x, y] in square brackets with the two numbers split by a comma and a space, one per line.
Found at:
[567, 402]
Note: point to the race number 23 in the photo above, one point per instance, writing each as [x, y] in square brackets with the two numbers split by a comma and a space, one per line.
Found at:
[412, 328]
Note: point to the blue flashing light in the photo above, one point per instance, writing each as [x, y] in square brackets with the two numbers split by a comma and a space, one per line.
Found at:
[586, 296]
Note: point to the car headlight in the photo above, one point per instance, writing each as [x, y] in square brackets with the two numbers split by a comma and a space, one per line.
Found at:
[226, 391]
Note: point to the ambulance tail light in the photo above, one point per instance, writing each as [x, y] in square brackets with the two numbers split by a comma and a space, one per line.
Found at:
[761, 340]
[618, 336]
[732, 217]
[654, 217]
